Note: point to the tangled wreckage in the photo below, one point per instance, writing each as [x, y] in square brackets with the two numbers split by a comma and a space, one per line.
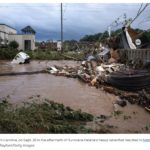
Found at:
[116, 67]
[113, 64]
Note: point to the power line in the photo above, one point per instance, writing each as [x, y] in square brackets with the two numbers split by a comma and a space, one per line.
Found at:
[116, 23]
[140, 11]
[61, 27]
[140, 8]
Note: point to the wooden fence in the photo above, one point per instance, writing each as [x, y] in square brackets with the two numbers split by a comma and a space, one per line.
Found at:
[135, 55]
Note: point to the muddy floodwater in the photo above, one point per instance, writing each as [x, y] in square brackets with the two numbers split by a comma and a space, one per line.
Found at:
[70, 92]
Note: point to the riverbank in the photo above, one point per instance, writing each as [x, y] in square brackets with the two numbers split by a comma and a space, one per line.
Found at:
[9, 54]
[42, 117]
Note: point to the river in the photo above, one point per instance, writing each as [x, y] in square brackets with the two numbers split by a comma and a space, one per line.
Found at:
[70, 92]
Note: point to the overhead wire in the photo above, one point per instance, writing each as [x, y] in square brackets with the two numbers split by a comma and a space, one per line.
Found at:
[140, 11]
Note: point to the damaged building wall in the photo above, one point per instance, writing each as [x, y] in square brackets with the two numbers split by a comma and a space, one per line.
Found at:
[7, 29]
[124, 40]
[8, 34]
[21, 40]
[18, 39]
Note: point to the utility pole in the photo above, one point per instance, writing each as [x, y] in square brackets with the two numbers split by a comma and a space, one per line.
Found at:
[61, 27]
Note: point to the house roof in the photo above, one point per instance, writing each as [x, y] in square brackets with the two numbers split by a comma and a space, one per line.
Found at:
[28, 29]
[7, 25]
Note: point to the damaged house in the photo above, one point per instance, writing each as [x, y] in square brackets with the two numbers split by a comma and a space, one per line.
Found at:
[26, 40]
[130, 47]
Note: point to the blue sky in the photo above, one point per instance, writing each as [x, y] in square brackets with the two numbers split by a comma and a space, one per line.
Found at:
[79, 19]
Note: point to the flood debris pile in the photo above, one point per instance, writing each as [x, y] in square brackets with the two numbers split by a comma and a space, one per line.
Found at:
[42, 117]
[89, 71]
[97, 74]
[141, 97]
[111, 76]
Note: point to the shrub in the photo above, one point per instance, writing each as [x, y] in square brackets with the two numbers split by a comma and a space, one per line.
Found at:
[13, 45]
[6, 53]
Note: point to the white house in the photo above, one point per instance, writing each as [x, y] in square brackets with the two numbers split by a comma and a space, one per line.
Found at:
[26, 40]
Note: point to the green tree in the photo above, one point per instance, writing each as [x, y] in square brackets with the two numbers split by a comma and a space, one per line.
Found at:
[91, 38]
[13, 45]
[145, 38]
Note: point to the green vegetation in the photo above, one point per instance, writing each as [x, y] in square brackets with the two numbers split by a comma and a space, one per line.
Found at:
[13, 45]
[46, 117]
[99, 36]
[54, 55]
[145, 37]
[7, 53]
[91, 38]
[42, 117]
